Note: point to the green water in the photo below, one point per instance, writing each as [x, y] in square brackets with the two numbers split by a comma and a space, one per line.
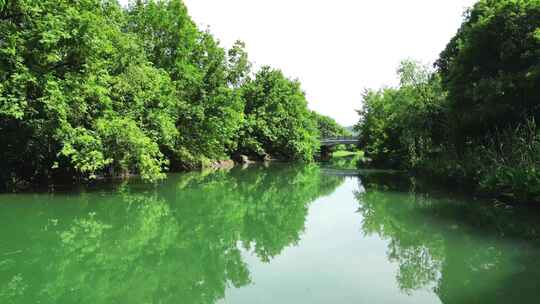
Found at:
[278, 234]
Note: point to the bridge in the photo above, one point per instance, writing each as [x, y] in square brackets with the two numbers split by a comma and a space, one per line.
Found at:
[343, 140]
[328, 143]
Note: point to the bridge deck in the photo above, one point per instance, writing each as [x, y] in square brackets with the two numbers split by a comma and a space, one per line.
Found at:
[340, 141]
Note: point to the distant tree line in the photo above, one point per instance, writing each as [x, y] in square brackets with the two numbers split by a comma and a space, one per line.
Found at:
[89, 88]
[328, 127]
[474, 116]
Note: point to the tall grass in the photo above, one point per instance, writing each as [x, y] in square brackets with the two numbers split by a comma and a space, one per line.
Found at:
[505, 163]
[510, 163]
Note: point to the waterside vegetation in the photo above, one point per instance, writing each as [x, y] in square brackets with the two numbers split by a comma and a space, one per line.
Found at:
[90, 88]
[473, 118]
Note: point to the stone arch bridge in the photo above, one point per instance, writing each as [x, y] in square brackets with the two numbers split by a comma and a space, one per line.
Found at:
[328, 143]
[343, 140]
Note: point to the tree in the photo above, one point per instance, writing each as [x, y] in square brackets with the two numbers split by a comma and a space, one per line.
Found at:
[211, 110]
[68, 73]
[328, 127]
[401, 126]
[474, 118]
[278, 121]
[92, 89]
[239, 67]
[491, 68]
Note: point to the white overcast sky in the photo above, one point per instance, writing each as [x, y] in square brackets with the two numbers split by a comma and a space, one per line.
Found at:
[336, 48]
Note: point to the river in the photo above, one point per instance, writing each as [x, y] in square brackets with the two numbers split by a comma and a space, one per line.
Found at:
[267, 234]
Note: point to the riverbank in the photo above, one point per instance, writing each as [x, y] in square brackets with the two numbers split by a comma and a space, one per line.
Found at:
[450, 175]
[205, 167]
[112, 104]
[471, 117]
[346, 153]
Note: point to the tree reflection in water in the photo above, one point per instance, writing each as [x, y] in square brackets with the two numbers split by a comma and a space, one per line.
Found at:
[180, 241]
[186, 239]
[466, 251]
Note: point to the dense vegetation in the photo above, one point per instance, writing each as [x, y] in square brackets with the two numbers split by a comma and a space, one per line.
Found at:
[276, 118]
[328, 127]
[88, 88]
[473, 117]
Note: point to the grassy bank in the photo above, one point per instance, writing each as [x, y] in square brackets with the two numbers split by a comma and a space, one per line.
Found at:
[344, 153]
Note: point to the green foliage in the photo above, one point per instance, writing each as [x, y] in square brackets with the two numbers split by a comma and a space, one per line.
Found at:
[491, 68]
[511, 164]
[91, 89]
[63, 67]
[211, 110]
[328, 127]
[239, 66]
[277, 120]
[473, 118]
[398, 126]
[341, 153]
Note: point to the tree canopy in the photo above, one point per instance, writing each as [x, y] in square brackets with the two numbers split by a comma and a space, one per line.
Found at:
[277, 119]
[491, 68]
[89, 88]
[474, 117]
[328, 127]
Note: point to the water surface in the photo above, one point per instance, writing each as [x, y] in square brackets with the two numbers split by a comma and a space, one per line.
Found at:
[279, 234]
